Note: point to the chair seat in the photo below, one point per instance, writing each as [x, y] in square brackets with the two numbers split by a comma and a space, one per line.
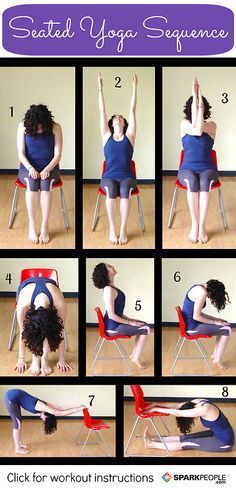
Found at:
[116, 337]
[102, 193]
[18, 183]
[181, 186]
[195, 337]
[97, 425]
[146, 415]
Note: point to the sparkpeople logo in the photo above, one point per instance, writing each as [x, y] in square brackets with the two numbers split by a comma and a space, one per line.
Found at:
[167, 477]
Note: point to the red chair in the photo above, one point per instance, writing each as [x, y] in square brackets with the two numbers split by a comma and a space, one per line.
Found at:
[19, 185]
[183, 337]
[141, 412]
[135, 192]
[25, 275]
[100, 342]
[178, 185]
[96, 425]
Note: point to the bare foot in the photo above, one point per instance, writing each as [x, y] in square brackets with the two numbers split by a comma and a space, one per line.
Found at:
[193, 234]
[33, 237]
[123, 238]
[22, 451]
[45, 368]
[35, 366]
[44, 236]
[147, 439]
[138, 362]
[113, 238]
[220, 364]
[202, 235]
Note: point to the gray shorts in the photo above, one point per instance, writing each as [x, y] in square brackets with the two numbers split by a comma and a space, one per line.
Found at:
[210, 329]
[14, 411]
[122, 187]
[128, 330]
[35, 184]
[204, 441]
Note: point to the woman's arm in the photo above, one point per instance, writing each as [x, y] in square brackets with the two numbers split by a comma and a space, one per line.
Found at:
[196, 126]
[109, 296]
[61, 310]
[131, 130]
[198, 315]
[46, 407]
[105, 131]
[194, 108]
[21, 365]
[21, 151]
[57, 151]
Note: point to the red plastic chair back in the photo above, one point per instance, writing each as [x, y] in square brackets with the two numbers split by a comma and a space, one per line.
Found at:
[87, 418]
[100, 322]
[39, 273]
[182, 325]
[138, 397]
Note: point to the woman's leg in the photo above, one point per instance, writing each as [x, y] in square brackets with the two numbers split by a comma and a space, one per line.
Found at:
[222, 334]
[15, 413]
[190, 179]
[141, 333]
[45, 368]
[206, 180]
[126, 187]
[110, 186]
[151, 442]
[35, 365]
[32, 203]
[45, 203]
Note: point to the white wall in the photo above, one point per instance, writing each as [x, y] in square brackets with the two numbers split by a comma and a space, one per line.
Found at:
[118, 102]
[135, 277]
[177, 88]
[194, 271]
[69, 395]
[22, 86]
[68, 270]
[193, 391]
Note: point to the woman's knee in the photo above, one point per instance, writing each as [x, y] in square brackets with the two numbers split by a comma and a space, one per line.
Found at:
[207, 179]
[126, 187]
[190, 180]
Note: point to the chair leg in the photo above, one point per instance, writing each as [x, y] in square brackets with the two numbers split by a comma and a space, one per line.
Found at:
[122, 357]
[177, 357]
[96, 345]
[164, 424]
[203, 348]
[160, 437]
[204, 358]
[131, 436]
[107, 448]
[140, 214]
[173, 208]
[63, 208]
[13, 331]
[86, 440]
[176, 346]
[96, 212]
[122, 349]
[222, 209]
[81, 443]
[65, 341]
[96, 357]
[13, 207]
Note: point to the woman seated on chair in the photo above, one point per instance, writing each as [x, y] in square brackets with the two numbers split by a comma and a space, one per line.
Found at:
[198, 172]
[115, 321]
[218, 436]
[15, 399]
[197, 322]
[39, 142]
[118, 138]
[41, 314]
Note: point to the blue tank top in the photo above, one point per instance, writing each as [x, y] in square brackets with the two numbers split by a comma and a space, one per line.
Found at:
[23, 399]
[119, 308]
[118, 156]
[197, 153]
[187, 311]
[39, 149]
[40, 287]
[220, 427]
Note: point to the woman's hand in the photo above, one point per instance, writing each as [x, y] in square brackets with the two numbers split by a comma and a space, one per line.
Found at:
[135, 80]
[220, 322]
[132, 322]
[100, 83]
[200, 101]
[44, 174]
[21, 366]
[33, 173]
[195, 87]
[63, 366]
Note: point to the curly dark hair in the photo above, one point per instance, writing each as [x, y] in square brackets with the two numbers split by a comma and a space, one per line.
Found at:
[109, 123]
[39, 324]
[188, 109]
[217, 294]
[38, 115]
[185, 424]
[100, 275]
[50, 423]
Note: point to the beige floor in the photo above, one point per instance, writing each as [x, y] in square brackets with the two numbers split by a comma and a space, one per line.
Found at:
[176, 237]
[17, 236]
[137, 445]
[60, 444]
[8, 358]
[137, 240]
[116, 367]
[169, 339]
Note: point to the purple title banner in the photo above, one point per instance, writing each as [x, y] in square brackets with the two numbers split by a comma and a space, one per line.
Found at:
[100, 30]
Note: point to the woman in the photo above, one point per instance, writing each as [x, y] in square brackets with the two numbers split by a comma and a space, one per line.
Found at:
[198, 172]
[15, 399]
[41, 314]
[197, 322]
[218, 436]
[39, 143]
[115, 321]
[118, 138]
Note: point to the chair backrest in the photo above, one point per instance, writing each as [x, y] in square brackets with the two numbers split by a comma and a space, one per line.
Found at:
[100, 322]
[138, 397]
[39, 273]
[182, 325]
[133, 168]
[87, 418]
[213, 155]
